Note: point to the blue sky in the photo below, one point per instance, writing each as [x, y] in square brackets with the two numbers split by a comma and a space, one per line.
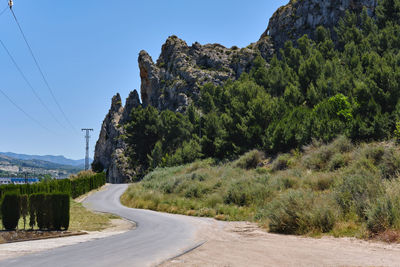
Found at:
[88, 51]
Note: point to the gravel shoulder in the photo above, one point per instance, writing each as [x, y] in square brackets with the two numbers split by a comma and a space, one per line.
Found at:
[13, 250]
[245, 244]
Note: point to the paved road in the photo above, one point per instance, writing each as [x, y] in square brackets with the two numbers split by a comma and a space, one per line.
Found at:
[157, 237]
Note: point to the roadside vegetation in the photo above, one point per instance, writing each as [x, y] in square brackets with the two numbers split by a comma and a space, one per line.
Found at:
[340, 189]
[47, 205]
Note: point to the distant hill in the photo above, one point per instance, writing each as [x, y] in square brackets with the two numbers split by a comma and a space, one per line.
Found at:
[10, 166]
[53, 159]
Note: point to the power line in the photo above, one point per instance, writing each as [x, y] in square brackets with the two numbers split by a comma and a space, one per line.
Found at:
[29, 84]
[23, 111]
[3, 11]
[41, 72]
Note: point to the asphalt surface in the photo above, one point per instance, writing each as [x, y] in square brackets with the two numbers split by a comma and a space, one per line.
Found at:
[157, 237]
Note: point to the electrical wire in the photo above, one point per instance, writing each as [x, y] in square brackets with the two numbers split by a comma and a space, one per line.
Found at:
[25, 113]
[29, 84]
[41, 72]
[3, 11]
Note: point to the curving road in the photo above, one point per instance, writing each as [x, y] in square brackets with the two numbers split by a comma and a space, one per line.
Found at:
[157, 237]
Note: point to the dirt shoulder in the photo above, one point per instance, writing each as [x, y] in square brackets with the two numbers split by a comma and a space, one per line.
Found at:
[12, 250]
[245, 244]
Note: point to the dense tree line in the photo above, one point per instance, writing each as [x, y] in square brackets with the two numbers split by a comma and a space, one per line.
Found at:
[312, 89]
[74, 187]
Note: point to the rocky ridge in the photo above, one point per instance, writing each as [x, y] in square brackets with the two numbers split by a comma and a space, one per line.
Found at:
[174, 80]
[110, 148]
[299, 17]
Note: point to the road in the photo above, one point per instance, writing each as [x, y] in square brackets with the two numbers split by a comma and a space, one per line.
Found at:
[157, 237]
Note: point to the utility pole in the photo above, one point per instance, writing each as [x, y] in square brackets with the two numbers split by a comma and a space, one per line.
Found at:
[87, 137]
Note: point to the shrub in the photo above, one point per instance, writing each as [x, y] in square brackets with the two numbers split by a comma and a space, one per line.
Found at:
[50, 210]
[282, 162]
[341, 144]
[60, 210]
[318, 159]
[300, 212]
[321, 182]
[380, 215]
[288, 214]
[10, 210]
[384, 213]
[390, 164]
[337, 161]
[239, 193]
[250, 160]
[356, 191]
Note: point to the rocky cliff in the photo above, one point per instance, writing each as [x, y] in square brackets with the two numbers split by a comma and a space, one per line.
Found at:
[110, 148]
[174, 80]
[301, 17]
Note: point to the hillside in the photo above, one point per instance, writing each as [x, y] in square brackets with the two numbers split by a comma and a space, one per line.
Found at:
[10, 166]
[333, 70]
[49, 158]
[338, 189]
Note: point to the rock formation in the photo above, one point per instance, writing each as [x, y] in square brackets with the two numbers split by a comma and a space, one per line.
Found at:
[301, 17]
[109, 152]
[173, 82]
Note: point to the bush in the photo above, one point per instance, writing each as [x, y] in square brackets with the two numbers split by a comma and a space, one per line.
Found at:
[337, 161]
[288, 213]
[300, 212]
[380, 216]
[238, 193]
[282, 162]
[318, 159]
[384, 213]
[390, 164]
[250, 160]
[341, 144]
[10, 210]
[356, 191]
[50, 210]
[322, 157]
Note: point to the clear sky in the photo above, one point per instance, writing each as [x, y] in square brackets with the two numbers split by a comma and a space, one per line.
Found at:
[88, 51]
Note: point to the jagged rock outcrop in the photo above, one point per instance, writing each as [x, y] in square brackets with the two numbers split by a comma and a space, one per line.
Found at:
[301, 17]
[110, 148]
[174, 80]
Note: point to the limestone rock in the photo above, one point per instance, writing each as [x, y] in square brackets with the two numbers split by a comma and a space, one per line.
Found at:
[109, 152]
[174, 80]
[301, 17]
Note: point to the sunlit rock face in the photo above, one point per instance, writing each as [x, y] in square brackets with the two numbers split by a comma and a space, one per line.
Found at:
[110, 147]
[301, 17]
[174, 80]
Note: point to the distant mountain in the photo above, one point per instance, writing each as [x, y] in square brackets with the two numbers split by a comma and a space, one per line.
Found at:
[13, 167]
[61, 160]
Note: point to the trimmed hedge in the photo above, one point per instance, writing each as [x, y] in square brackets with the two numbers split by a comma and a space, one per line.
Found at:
[47, 211]
[51, 208]
[51, 211]
[10, 209]
[74, 187]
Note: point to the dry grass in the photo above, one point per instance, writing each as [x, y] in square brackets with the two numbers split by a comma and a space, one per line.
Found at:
[83, 219]
[338, 189]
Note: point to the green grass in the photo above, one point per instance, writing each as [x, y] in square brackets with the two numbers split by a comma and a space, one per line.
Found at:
[337, 189]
